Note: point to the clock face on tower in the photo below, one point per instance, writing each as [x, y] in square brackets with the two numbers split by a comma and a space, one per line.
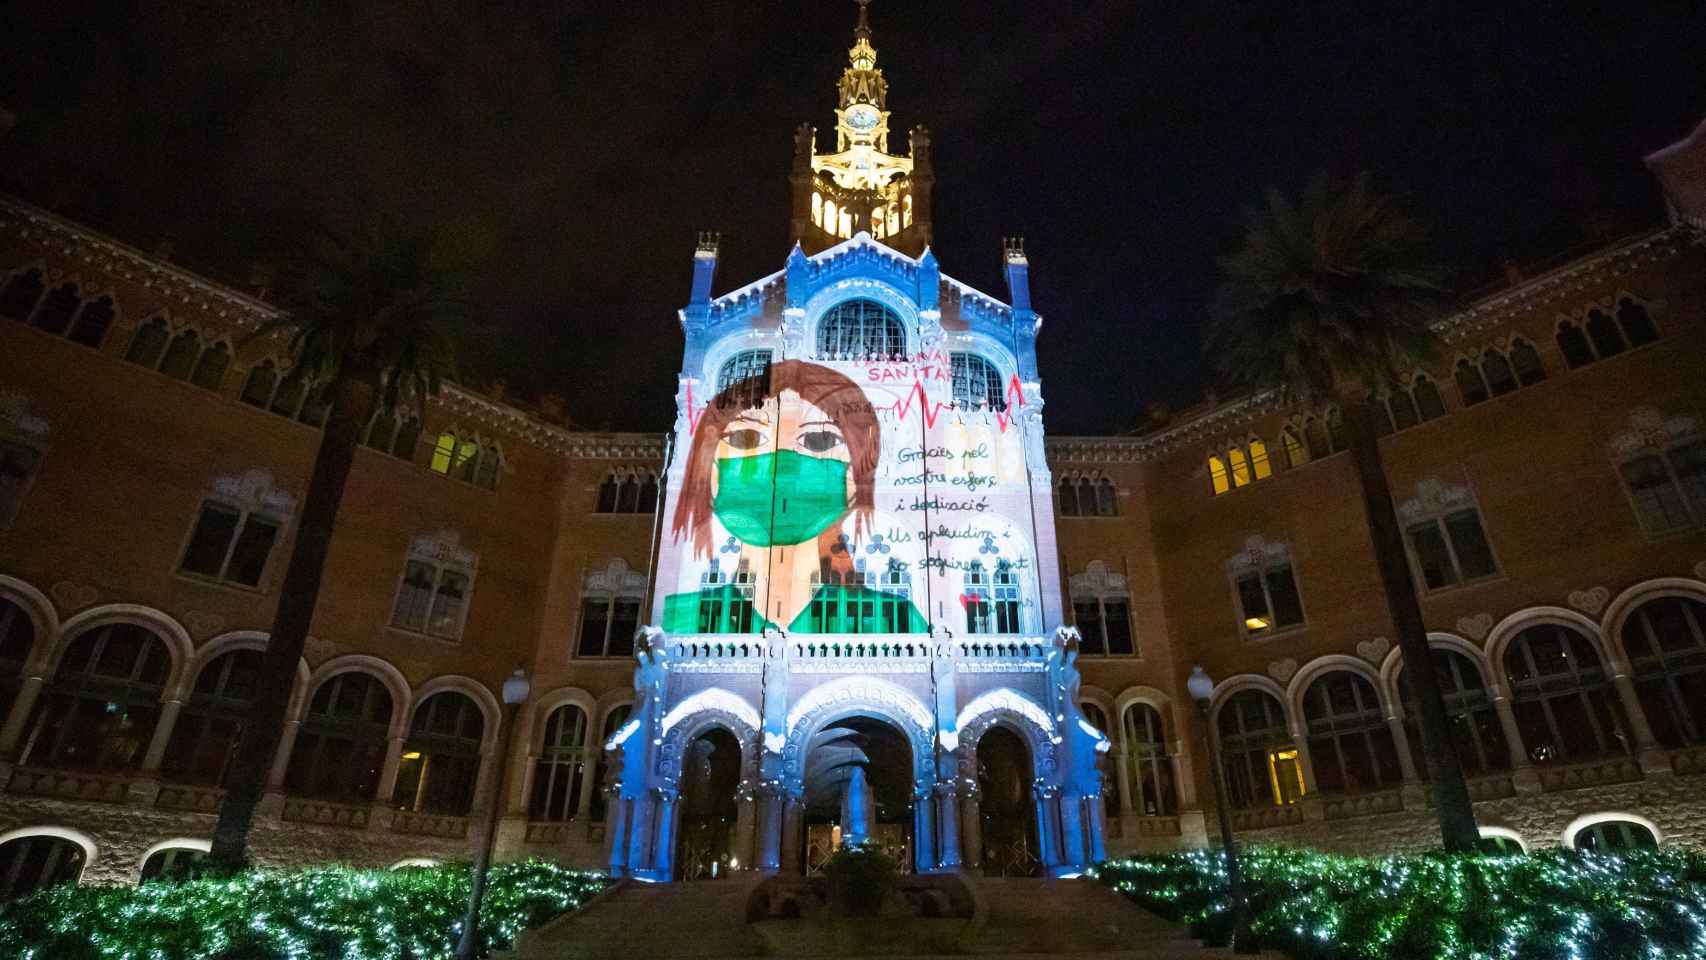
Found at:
[862, 117]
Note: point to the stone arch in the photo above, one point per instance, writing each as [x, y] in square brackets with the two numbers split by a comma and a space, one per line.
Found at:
[1498, 640]
[1104, 701]
[548, 704]
[861, 288]
[1154, 697]
[81, 839]
[482, 696]
[402, 704]
[1617, 613]
[713, 708]
[1567, 839]
[1321, 666]
[860, 696]
[1506, 833]
[239, 640]
[175, 843]
[1009, 708]
[1394, 662]
[43, 619]
[1239, 682]
[406, 862]
[177, 640]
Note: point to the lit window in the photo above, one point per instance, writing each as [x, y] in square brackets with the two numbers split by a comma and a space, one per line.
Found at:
[467, 460]
[442, 452]
[1267, 599]
[1295, 455]
[1257, 752]
[1240, 467]
[441, 758]
[1217, 475]
[230, 543]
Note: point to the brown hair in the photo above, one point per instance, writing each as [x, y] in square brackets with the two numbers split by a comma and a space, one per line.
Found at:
[833, 393]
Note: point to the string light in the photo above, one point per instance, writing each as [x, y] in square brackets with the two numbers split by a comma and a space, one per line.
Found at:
[350, 914]
[1551, 905]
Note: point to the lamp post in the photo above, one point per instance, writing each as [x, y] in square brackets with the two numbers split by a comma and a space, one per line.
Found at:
[1201, 688]
[515, 691]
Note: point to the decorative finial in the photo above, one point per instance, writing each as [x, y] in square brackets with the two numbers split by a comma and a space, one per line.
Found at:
[864, 27]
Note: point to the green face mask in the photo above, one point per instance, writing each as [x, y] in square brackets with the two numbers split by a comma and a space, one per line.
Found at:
[810, 493]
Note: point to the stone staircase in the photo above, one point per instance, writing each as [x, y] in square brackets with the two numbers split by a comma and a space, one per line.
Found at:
[1017, 919]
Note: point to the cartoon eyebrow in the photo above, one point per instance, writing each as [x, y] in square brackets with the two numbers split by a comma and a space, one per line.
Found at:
[758, 418]
[820, 423]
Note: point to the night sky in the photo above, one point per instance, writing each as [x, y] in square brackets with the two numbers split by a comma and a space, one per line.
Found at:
[573, 149]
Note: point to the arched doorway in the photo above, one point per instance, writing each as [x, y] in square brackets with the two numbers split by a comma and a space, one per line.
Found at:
[1007, 810]
[857, 786]
[708, 808]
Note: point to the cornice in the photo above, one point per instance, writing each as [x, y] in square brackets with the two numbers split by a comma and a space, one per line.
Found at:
[1211, 425]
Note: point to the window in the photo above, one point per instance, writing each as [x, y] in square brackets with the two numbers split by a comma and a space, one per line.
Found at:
[205, 737]
[1240, 467]
[1104, 624]
[1481, 746]
[230, 544]
[259, 386]
[725, 599]
[181, 355]
[1614, 836]
[1087, 495]
[613, 722]
[1349, 741]
[1636, 322]
[210, 369]
[608, 625]
[340, 749]
[1606, 333]
[1451, 549]
[438, 576]
[628, 492]
[1268, 601]
[1153, 791]
[991, 599]
[1111, 786]
[1525, 361]
[1316, 437]
[100, 710]
[173, 864]
[1495, 845]
[1496, 368]
[977, 383]
[861, 601]
[90, 327]
[749, 372]
[394, 432]
[1668, 487]
[468, 460]
[441, 758]
[28, 864]
[1566, 707]
[1666, 641]
[1295, 454]
[1067, 497]
[19, 298]
[1603, 333]
[147, 343]
[1470, 384]
[1218, 478]
[18, 462]
[1257, 752]
[55, 311]
[17, 639]
[562, 765]
[1107, 499]
[860, 330]
[1573, 344]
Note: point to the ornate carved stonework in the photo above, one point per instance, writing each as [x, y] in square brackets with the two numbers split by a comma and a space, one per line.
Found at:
[1434, 498]
[1475, 627]
[16, 417]
[1258, 554]
[616, 580]
[1650, 430]
[1374, 650]
[72, 597]
[1097, 581]
[1283, 670]
[444, 546]
[255, 490]
[1591, 601]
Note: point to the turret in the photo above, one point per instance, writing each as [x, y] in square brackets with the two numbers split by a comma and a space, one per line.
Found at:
[704, 272]
[1018, 271]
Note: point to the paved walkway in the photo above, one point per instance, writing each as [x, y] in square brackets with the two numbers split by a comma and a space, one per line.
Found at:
[1019, 920]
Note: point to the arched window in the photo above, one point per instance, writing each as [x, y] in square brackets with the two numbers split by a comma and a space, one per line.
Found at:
[19, 298]
[1470, 385]
[628, 498]
[1315, 435]
[147, 343]
[1636, 322]
[441, 758]
[1240, 466]
[433, 595]
[17, 638]
[1498, 845]
[486, 472]
[1260, 468]
[1666, 641]
[1154, 792]
[54, 314]
[1668, 486]
[1501, 379]
[749, 372]
[977, 383]
[210, 369]
[648, 493]
[992, 600]
[32, 863]
[205, 737]
[1614, 836]
[1107, 498]
[1111, 786]
[291, 392]
[92, 322]
[1481, 746]
[408, 437]
[340, 749]
[1217, 475]
[608, 492]
[1257, 751]
[258, 388]
[1604, 334]
[558, 776]
[1573, 344]
[860, 330]
[173, 864]
[1525, 361]
[613, 722]
[1565, 705]
[1067, 492]
[101, 709]
[1295, 454]
[1428, 402]
[1349, 742]
[181, 355]
[18, 462]
[380, 430]
[1401, 410]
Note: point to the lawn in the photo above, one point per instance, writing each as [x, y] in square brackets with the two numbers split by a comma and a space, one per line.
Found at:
[1551, 905]
[323, 912]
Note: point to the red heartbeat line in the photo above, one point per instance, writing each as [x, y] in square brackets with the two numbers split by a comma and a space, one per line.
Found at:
[1015, 398]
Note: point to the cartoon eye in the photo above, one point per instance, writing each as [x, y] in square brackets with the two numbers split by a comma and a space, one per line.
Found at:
[745, 439]
[820, 441]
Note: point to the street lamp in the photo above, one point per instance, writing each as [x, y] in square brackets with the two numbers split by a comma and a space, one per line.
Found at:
[515, 691]
[1201, 688]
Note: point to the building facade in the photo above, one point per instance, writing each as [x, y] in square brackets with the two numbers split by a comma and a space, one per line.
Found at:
[1550, 470]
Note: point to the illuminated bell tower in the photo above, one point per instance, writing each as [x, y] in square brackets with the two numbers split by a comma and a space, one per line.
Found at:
[861, 187]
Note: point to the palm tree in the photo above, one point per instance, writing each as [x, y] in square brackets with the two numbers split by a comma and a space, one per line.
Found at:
[1325, 302]
[371, 318]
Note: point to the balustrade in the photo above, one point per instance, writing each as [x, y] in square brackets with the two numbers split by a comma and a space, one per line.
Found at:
[429, 825]
[189, 796]
[69, 785]
[325, 813]
[1590, 774]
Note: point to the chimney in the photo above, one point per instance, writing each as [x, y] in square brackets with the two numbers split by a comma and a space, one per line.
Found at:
[1018, 273]
[704, 271]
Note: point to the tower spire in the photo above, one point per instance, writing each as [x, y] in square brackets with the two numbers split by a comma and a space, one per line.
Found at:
[863, 30]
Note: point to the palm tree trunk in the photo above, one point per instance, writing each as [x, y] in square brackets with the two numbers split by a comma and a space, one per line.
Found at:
[263, 728]
[1439, 750]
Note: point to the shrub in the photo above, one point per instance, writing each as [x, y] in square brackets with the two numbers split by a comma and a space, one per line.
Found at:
[1553, 905]
[859, 878]
[411, 914]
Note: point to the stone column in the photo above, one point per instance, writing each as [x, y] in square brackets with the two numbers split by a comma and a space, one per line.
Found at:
[388, 773]
[923, 832]
[589, 777]
[746, 815]
[1122, 769]
[1523, 775]
[947, 815]
[1047, 850]
[639, 834]
[1072, 840]
[22, 707]
[483, 794]
[1098, 820]
[616, 832]
[162, 736]
[971, 828]
[771, 805]
[663, 858]
[1648, 753]
[793, 824]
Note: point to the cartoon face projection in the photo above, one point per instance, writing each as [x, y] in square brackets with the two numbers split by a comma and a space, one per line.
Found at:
[779, 476]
